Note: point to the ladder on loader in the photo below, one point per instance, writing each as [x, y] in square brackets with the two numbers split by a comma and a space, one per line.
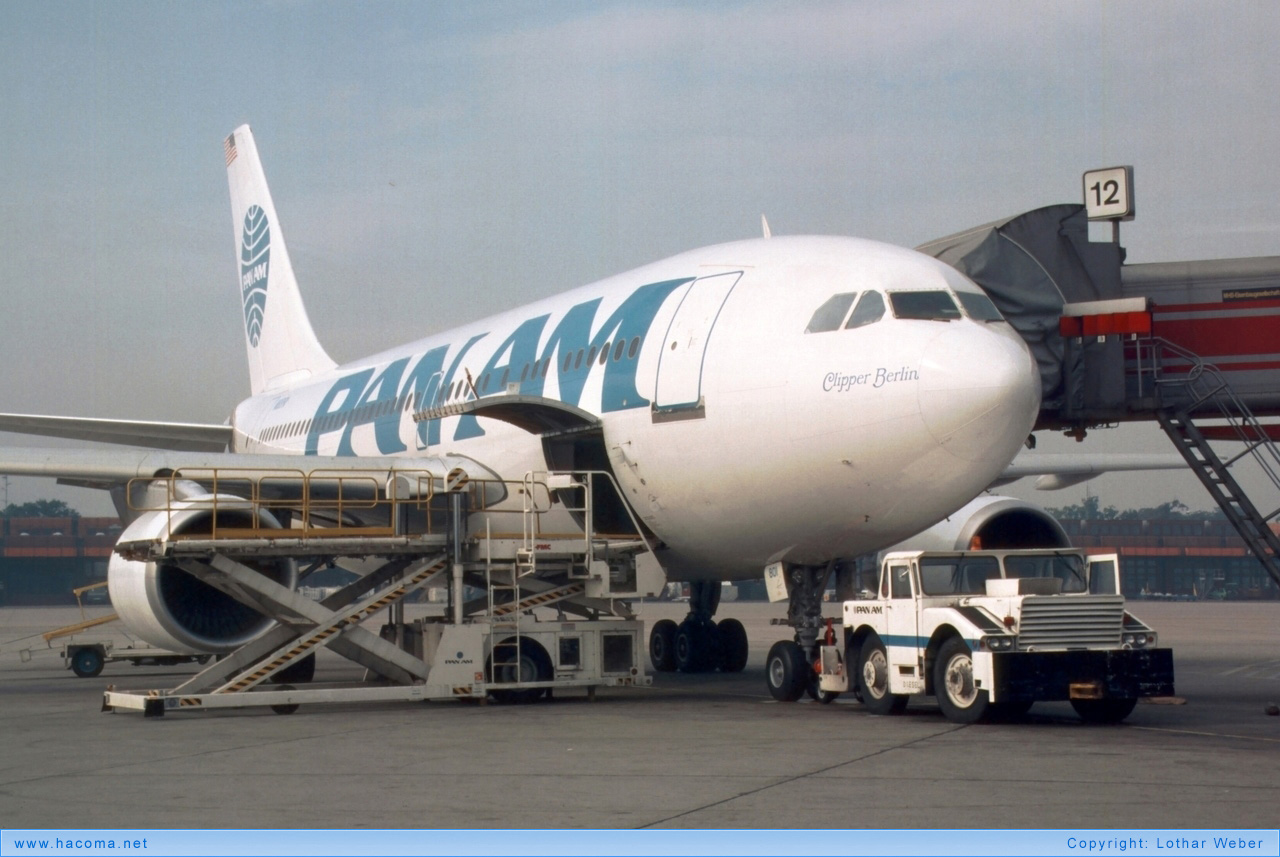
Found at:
[1196, 387]
[478, 650]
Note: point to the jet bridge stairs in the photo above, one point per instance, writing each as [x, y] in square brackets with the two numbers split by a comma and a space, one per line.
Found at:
[1183, 386]
[553, 610]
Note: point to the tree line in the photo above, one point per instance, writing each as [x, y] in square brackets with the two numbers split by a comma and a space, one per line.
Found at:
[1093, 510]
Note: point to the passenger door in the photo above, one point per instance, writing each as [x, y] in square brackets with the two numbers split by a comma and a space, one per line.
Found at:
[680, 361]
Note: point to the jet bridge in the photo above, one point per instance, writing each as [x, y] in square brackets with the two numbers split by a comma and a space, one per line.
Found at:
[553, 610]
[1191, 345]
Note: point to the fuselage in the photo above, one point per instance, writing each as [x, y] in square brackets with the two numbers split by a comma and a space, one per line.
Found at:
[750, 411]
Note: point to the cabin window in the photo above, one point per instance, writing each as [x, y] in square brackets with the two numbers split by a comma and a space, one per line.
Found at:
[577, 361]
[591, 356]
[506, 374]
[832, 312]
[604, 354]
[546, 364]
[927, 306]
[869, 310]
[979, 307]
[617, 350]
[568, 361]
[634, 349]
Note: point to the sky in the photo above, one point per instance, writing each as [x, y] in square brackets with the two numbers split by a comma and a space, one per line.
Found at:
[432, 163]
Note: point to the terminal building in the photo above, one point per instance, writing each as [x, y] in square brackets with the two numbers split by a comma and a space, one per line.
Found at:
[43, 559]
[1184, 559]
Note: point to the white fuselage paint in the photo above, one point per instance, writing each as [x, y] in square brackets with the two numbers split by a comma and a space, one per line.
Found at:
[809, 446]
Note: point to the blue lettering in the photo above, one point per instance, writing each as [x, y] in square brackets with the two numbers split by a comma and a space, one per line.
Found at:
[573, 334]
[571, 344]
[429, 430]
[330, 416]
[522, 346]
[367, 410]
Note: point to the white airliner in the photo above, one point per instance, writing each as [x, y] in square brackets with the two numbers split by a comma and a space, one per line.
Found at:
[785, 399]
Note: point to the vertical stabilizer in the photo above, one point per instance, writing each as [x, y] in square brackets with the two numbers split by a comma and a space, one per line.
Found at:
[283, 349]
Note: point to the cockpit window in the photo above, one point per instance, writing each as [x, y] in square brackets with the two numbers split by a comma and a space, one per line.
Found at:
[930, 306]
[869, 310]
[831, 313]
[979, 307]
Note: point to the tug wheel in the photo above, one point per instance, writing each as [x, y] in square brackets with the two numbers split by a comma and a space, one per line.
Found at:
[1104, 710]
[958, 696]
[873, 679]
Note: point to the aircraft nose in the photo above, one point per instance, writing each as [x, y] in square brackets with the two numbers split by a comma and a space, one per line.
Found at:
[979, 391]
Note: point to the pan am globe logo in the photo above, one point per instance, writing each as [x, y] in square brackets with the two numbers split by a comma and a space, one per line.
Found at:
[255, 258]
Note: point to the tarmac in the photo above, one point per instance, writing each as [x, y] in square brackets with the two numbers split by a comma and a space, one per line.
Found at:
[692, 751]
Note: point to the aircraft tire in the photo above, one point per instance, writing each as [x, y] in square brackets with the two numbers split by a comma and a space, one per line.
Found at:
[662, 646]
[734, 648]
[826, 697]
[786, 671]
[695, 646]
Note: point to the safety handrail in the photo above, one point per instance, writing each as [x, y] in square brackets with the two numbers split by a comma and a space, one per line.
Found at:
[1205, 383]
[574, 480]
[327, 496]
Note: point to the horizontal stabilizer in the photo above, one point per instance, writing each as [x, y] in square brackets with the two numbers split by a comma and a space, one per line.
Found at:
[192, 437]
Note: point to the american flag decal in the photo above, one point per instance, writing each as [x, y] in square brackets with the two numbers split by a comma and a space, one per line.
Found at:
[229, 148]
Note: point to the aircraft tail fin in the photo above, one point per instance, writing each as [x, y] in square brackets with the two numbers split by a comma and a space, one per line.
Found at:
[283, 349]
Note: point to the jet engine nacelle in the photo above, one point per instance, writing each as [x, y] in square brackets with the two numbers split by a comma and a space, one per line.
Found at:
[991, 522]
[171, 609]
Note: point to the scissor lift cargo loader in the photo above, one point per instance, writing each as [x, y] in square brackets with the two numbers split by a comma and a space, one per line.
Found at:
[491, 646]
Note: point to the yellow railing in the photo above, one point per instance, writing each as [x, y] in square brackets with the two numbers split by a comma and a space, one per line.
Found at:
[324, 503]
[253, 503]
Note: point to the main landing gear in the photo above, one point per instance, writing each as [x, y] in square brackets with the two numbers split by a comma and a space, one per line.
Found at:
[789, 669]
[699, 643]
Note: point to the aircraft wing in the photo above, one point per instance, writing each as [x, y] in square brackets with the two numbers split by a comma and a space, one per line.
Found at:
[194, 437]
[1067, 469]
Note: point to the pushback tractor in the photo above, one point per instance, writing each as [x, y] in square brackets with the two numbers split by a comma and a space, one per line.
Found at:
[990, 633]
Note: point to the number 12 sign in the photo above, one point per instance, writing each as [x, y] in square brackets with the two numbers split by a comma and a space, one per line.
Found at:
[1108, 194]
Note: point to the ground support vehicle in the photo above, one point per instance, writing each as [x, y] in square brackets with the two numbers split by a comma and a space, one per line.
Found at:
[87, 658]
[990, 633]
[488, 644]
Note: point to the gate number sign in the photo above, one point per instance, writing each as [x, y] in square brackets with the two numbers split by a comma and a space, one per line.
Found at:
[1108, 194]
